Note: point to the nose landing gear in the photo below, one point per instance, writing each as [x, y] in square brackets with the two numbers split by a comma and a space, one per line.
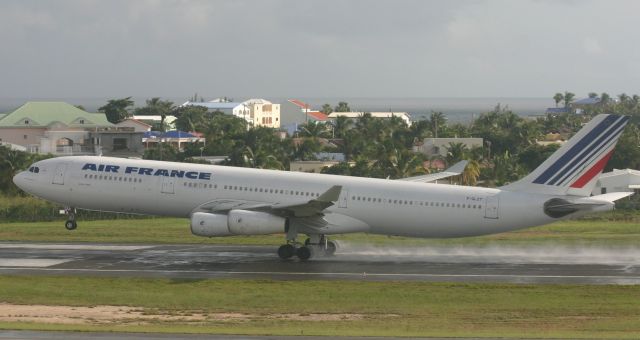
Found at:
[70, 224]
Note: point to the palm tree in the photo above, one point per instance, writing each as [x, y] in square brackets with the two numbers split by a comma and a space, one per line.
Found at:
[471, 173]
[326, 109]
[438, 122]
[456, 152]
[558, 97]
[568, 98]
[314, 130]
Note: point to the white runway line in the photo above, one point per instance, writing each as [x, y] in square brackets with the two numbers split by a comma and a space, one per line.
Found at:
[39, 263]
[70, 246]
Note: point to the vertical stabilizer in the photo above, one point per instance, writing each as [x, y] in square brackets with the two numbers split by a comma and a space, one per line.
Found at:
[574, 168]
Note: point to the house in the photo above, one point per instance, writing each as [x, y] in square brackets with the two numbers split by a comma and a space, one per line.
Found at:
[236, 109]
[137, 125]
[440, 146]
[154, 121]
[263, 113]
[63, 129]
[406, 117]
[617, 181]
[257, 112]
[296, 112]
[556, 110]
[177, 139]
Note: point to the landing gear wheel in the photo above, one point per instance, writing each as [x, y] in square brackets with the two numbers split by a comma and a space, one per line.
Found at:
[330, 250]
[286, 251]
[304, 253]
[70, 225]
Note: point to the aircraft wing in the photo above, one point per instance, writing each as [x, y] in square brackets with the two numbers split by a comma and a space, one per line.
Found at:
[454, 170]
[308, 208]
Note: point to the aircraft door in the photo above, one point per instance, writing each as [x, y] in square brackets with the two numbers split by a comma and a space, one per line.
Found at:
[168, 185]
[491, 206]
[344, 197]
[58, 176]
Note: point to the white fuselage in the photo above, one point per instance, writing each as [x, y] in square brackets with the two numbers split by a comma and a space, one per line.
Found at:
[386, 206]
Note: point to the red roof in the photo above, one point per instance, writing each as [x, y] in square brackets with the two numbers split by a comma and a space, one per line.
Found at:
[299, 103]
[317, 115]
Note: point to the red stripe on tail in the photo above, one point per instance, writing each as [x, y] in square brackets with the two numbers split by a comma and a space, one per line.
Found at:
[595, 169]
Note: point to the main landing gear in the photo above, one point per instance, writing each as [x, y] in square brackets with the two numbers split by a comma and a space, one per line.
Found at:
[313, 246]
[70, 224]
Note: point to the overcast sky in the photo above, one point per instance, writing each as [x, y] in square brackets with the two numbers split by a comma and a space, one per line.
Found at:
[299, 48]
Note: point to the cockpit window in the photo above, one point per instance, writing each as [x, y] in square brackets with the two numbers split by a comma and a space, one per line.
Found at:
[34, 169]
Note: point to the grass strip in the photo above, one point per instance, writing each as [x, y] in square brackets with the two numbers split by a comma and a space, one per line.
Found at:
[389, 308]
[174, 230]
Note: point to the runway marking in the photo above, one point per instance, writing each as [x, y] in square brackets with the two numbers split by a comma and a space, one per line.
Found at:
[362, 275]
[31, 263]
[71, 246]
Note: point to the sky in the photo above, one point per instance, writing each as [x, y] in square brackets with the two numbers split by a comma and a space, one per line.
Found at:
[315, 49]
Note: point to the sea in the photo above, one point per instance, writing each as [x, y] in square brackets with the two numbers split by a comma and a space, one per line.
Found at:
[457, 110]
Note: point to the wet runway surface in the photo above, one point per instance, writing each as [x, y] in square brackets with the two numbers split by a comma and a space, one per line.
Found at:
[466, 264]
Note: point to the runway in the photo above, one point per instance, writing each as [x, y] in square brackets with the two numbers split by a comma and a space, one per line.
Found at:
[586, 265]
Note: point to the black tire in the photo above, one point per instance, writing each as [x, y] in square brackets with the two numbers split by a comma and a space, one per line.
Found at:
[70, 225]
[286, 251]
[331, 248]
[304, 253]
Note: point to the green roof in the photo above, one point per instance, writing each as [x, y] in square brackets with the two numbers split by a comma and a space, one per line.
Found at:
[43, 114]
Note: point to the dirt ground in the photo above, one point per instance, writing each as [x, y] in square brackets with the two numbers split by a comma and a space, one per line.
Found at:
[124, 314]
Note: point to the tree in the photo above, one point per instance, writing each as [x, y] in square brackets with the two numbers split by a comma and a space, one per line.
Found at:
[314, 130]
[438, 123]
[558, 97]
[326, 109]
[342, 107]
[191, 118]
[156, 107]
[568, 98]
[471, 173]
[116, 110]
[591, 95]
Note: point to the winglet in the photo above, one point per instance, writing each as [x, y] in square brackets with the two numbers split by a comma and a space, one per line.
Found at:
[331, 195]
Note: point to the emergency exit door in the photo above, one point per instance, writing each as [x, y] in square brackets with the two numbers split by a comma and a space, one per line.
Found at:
[491, 206]
[168, 185]
[58, 176]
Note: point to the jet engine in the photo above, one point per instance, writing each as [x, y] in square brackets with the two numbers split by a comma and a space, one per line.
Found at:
[237, 222]
[245, 222]
[209, 225]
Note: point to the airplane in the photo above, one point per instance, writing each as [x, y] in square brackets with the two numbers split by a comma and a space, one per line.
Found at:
[225, 201]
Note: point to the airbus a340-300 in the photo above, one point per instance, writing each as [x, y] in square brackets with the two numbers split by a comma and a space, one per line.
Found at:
[223, 201]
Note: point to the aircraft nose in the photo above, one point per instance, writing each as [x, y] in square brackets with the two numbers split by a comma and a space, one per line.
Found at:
[19, 180]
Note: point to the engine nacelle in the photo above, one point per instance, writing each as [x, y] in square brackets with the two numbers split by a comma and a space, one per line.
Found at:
[245, 222]
[209, 225]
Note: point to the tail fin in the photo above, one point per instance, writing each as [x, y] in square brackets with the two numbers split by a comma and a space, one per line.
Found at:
[574, 168]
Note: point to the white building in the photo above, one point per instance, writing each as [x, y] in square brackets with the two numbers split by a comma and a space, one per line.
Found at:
[440, 146]
[617, 181]
[257, 112]
[382, 115]
[169, 121]
[263, 113]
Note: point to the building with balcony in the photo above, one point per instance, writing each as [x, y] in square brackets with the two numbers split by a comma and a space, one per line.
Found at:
[257, 112]
[62, 129]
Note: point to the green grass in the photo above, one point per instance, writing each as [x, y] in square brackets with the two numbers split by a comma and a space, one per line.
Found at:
[173, 230]
[399, 308]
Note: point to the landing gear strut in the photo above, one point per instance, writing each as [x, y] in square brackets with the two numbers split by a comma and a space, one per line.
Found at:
[70, 224]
